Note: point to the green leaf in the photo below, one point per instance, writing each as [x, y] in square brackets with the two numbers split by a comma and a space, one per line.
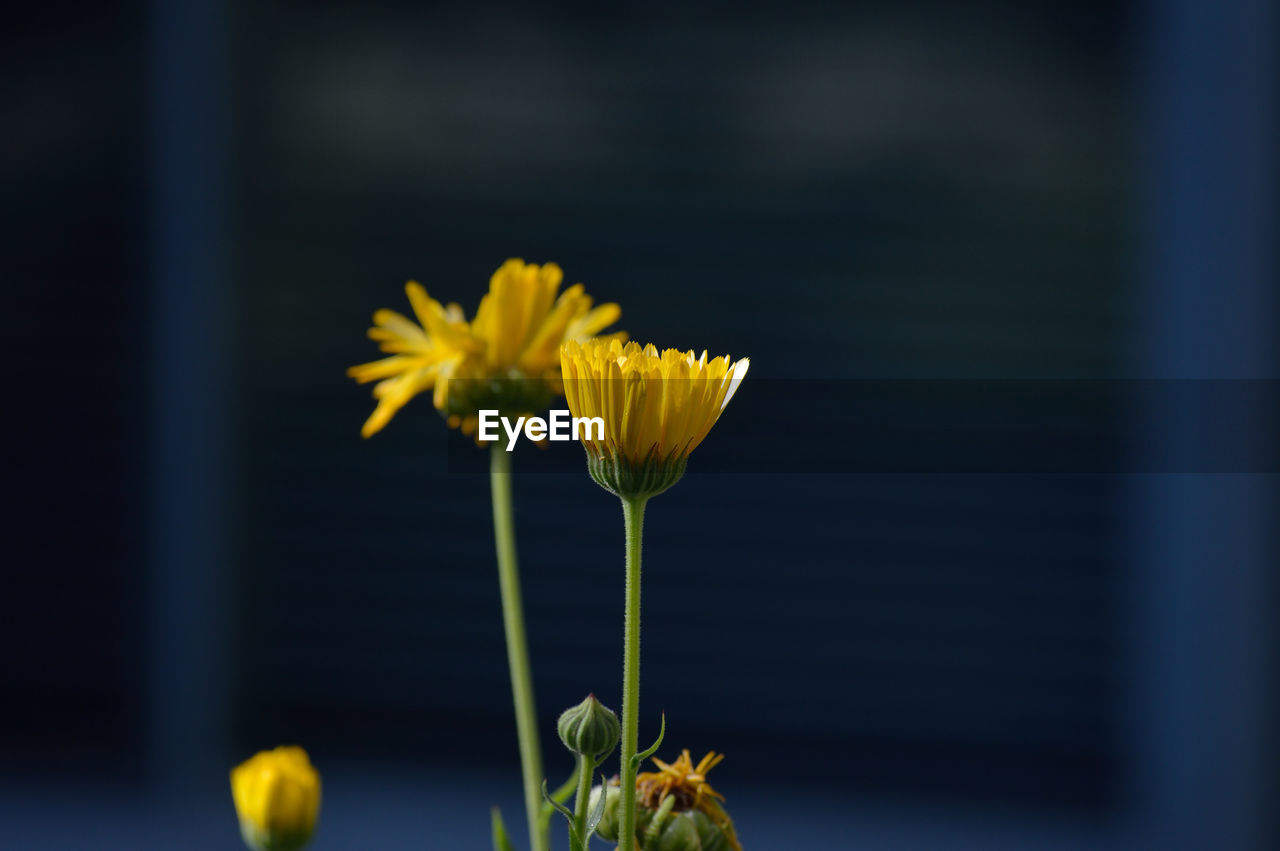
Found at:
[575, 842]
[500, 840]
[560, 808]
[597, 812]
[560, 795]
[643, 755]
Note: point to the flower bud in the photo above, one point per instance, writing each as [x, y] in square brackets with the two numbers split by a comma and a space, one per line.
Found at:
[589, 729]
[277, 797]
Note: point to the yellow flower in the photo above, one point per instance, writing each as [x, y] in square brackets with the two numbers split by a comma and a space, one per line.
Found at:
[277, 797]
[506, 358]
[656, 408]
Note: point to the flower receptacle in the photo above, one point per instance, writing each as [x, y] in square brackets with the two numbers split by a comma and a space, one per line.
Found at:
[629, 480]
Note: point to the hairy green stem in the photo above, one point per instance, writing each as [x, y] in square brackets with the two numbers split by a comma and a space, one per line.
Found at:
[633, 516]
[582, 803]
[504, 535]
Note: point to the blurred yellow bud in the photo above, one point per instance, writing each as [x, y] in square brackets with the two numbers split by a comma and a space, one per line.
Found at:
[277, 797]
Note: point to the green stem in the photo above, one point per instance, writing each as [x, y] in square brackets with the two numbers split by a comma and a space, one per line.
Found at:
[633, 515]
[504, 535]
[583, 802]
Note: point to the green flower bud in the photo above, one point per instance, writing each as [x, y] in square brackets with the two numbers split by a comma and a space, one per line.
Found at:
[589, 729]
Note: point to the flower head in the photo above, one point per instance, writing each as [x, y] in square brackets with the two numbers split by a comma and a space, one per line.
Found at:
[277, 797]
[676, 806]
[656, 408]
[682, 779]
[506, 358]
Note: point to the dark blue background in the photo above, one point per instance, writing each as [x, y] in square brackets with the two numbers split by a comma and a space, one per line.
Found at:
[204, 203]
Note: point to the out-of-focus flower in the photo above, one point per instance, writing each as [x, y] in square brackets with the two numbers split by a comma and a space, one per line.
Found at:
[677, 809]
[277, 797]
[656, 408]
[507, 358]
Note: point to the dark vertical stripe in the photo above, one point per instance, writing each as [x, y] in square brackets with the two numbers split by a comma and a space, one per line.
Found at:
[1201, 713]
[188, 420]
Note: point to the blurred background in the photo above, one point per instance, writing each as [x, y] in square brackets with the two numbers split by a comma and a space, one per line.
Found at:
[205, 201]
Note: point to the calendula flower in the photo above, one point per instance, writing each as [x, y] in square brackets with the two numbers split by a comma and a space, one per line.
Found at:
[678, 809]
[656, 408]
[277, 797]
[507, 358]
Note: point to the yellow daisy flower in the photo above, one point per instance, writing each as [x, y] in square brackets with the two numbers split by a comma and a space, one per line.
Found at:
[656, 408]
[506, 358]
[277, 798]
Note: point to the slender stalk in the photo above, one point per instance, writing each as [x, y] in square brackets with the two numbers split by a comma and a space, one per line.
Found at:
[504, 534]
[633, 516]
[582, 803]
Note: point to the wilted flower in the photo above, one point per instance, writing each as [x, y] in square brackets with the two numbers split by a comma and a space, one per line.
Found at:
[277, 797]
[507, 358]
[677, 809]
[656, 408]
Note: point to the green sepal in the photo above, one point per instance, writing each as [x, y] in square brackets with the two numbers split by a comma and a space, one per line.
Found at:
[654, 830]
[680, 835]
[711, 835]
[643, 755]
[267, 840]
[500, 840]
[691, 830]
[629, 480]
[510, 395]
